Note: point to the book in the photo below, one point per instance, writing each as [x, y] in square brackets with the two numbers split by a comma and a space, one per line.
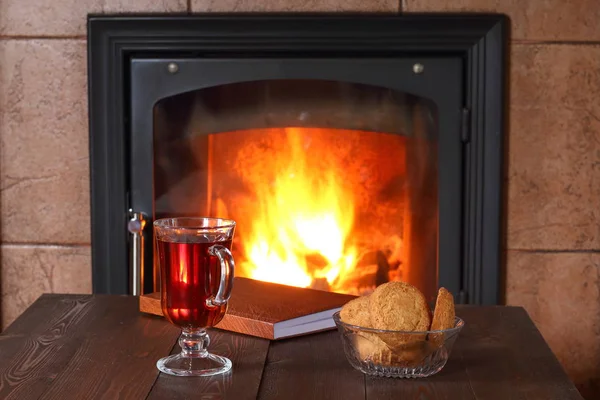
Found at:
[269, 310]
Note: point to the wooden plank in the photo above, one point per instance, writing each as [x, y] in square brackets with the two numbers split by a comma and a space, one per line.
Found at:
[150, 304]
[506, 357]
[45, 311]
[452, 382]
[38, 345]
[118, 354]
[247, 354]
[310, 367]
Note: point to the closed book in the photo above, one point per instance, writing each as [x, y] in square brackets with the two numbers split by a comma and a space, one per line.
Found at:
[270, 310]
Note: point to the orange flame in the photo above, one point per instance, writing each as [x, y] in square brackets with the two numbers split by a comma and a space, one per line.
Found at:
[183, 278]
[303, 214]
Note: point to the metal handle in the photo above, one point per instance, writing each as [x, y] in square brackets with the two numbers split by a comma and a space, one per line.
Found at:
[227, 270]
[136, 226]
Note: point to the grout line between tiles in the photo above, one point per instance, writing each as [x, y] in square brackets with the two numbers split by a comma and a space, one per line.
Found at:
[555, 42]
[557, 251]
[402, 5]
[27, 245]
[37, 37]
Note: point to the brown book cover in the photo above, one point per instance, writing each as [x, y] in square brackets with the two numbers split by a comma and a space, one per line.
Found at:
[269, 310]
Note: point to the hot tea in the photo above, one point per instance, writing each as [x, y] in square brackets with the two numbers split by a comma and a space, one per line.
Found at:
[189, 276]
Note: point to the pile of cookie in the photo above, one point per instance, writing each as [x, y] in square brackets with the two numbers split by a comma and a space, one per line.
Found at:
[399, 306]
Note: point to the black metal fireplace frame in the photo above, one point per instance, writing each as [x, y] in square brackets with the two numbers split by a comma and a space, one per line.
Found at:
[113, 41]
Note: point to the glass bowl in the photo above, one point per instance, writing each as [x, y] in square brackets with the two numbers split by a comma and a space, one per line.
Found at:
[397, 354]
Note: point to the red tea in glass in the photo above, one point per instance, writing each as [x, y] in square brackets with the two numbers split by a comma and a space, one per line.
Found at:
[190, 275]
[196, 270]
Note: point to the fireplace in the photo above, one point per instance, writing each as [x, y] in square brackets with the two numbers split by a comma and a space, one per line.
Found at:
[351, 150]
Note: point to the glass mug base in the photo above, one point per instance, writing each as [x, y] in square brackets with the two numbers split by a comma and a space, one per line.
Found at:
[180, 365]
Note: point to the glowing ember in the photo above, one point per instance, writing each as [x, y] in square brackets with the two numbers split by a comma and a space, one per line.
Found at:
[301, 221]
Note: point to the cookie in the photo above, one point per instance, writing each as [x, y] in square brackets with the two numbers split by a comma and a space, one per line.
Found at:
[443, 316]
[399, 306]
[356, 312]
[409, 354]
[369, 346]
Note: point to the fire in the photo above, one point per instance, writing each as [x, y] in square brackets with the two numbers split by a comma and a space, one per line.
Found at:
[183, 280]
[301, 222]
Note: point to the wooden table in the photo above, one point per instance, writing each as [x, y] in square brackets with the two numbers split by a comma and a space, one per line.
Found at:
[79, 347]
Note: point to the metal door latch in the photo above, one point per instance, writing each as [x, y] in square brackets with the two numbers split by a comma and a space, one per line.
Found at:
[135, 226]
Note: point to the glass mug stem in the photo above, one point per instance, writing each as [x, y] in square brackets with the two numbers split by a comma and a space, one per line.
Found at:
[194, 343]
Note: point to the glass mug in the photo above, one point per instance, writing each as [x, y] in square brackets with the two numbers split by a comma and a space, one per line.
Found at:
[196, 270]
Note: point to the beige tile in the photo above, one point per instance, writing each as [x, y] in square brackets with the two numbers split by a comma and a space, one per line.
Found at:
[561, 292]
[291, 5]
[554, 148]
[69, 17]
[530, 20]
[29, 271]
[44, 184]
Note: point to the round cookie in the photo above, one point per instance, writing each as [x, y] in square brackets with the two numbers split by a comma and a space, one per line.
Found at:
[356, 312]
[398, 306]
[410, 354]
[369, 346]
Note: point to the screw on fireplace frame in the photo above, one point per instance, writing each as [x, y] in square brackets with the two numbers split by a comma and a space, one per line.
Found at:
[418, 68]
[172, 68]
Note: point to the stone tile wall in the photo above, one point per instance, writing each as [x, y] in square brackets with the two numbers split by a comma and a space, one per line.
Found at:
[553, 154]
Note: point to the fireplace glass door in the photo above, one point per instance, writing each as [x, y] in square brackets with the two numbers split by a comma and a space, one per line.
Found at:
[333, 185]
[334, 170]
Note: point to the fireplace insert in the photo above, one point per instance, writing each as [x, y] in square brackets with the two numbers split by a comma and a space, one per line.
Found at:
[351, 149]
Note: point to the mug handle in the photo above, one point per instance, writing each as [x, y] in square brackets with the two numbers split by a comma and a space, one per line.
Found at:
[227, 270]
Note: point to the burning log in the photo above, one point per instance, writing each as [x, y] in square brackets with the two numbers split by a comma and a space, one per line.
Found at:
[315, 261]
[361, 276]
[320, 284]
[383, 269]
[372, 269]
[393, 248]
